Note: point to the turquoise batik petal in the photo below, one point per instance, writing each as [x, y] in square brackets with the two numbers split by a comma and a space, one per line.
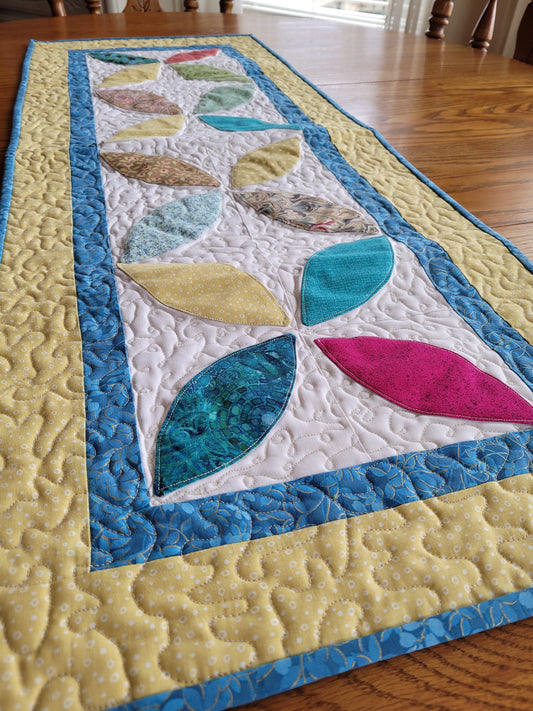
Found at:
[224, 98]
[206, 72]
[224, 412]
[117, 58]
[344, 276]
[241, 123]
[172, 225]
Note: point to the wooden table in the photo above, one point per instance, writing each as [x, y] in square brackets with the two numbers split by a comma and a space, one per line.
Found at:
[463, 118]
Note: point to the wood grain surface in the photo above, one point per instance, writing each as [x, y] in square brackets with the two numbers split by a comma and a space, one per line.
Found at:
[465, 120]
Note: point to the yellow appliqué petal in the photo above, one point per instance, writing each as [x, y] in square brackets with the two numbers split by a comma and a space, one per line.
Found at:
[165, 126]
[216, 291]
[266, 163]
[133, 75]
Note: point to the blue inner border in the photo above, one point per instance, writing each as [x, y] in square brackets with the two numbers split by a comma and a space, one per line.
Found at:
[124, 528]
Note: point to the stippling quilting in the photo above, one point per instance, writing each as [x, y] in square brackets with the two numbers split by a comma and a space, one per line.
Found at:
[186, 629]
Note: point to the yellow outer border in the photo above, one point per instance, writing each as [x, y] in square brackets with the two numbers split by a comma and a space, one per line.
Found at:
[94, 640]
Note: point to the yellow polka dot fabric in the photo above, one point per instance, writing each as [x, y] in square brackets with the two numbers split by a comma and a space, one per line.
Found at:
[266, 163]
[216, 291]
[132, 75]
[89, 640]
[165, 126]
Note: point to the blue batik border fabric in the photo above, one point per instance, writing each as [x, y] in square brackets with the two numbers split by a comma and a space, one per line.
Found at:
[125, 529]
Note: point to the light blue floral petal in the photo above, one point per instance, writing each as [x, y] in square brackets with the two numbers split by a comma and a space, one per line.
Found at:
[172, 225]
[242, 123]
[344, 276]
[224, 412]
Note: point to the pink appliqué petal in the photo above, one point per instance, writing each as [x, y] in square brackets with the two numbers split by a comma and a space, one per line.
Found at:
[426, 379]
[192, 56]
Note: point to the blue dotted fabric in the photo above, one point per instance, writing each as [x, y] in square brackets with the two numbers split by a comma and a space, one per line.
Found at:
[124, 528]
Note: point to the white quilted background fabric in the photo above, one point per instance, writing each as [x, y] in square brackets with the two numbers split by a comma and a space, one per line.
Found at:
[330, 422]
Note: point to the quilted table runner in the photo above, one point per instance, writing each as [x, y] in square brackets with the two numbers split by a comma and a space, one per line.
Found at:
[266, 405]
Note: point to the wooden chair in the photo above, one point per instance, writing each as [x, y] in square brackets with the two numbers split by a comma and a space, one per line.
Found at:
[95, 6]
[58, 7]
[481, 37]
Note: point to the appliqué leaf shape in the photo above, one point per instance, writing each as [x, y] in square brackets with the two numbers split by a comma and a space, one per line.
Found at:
[219, 292]
[224, 412]
[242, 123]
[161, 170]
[206, 72]
[426, 379]
[344, 276]
[165, 126]
[191, 56]
[118, 58]
[266, 163]
[224, 98]
[172, 225]
[138, 100]
[307, 212]
[132, 75]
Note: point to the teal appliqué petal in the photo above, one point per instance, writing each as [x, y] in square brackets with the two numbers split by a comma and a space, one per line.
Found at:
[224, 412]
[224, 98]
[344, 276]
[117, 58]
[241, 123]
[172, 225]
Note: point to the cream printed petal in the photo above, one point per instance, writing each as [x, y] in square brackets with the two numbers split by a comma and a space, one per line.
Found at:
[307, 212]
[138, 100]
[160, 170]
